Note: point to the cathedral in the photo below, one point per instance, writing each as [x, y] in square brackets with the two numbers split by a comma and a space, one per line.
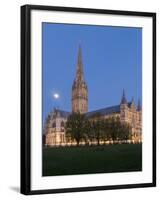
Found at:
[128, 112]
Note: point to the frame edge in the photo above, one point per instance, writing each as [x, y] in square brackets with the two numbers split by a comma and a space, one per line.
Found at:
[25, 101]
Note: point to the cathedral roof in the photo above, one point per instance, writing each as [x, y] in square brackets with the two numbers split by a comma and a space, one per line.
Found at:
[102, 111]
[62, 113]
[105, 111]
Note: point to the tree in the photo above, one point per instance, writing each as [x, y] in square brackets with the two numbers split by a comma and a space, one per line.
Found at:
[78, 128]
[105, 126]
[97, 130]
[119, 131]
[116, 129]
[96, 127]
[125, 132]
[87, 131]
[113, 129]
[75, 127]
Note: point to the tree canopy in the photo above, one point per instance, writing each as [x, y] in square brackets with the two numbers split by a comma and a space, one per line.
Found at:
[96, 129]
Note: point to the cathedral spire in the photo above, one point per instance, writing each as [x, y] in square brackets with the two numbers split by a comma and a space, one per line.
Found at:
[123, 100]
[79, 88]
[132, 103]
[139, 105]
[79, 74]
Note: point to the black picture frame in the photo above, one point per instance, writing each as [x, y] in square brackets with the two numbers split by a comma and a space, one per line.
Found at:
[26, 98]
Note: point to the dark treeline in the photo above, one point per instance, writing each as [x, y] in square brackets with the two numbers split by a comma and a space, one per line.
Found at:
[96, 129]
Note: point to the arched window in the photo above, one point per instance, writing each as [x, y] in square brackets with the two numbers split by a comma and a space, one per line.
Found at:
[53, 125]
[62, 124]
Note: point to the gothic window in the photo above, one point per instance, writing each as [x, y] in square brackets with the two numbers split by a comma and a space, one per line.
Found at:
[133, 121]
[62, 138]
[62, 124]
[123, 114]
[53, 125]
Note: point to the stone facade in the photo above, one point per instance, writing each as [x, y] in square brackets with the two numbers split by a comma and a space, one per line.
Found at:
[132, 115]
[54, 129]
[128, 112]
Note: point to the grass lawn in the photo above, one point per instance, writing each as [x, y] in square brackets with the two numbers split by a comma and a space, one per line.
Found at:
[92, 159]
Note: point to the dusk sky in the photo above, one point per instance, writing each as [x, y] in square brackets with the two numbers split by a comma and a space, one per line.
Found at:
[112, 60]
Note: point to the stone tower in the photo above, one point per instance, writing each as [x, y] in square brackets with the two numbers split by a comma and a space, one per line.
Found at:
[123, 108]
[79, 88]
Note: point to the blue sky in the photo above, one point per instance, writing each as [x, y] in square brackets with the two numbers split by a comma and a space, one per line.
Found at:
[112, 59]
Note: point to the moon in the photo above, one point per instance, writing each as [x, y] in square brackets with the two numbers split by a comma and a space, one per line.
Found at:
[56, 95]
